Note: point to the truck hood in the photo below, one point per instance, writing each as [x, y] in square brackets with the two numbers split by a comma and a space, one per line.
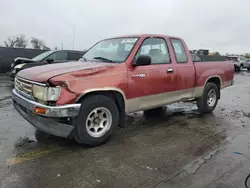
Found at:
[44, 73]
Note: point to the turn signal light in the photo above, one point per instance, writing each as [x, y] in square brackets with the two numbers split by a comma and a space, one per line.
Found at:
[39, 110]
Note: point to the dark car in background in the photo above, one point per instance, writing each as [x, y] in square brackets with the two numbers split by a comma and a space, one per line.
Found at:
[45, 58]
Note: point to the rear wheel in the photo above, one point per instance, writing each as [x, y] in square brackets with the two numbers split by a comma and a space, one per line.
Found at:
[241, 67]
[97, 120]
[209, 99]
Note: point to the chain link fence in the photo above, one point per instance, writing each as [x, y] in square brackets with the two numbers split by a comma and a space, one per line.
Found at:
[8, 54]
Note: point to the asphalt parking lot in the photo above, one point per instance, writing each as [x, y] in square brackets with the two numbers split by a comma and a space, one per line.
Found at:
[179, 148]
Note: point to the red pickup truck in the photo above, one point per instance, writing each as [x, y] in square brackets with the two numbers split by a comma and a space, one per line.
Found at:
[89, 98]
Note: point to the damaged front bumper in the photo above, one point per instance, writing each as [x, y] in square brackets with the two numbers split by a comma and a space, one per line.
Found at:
[45, 121]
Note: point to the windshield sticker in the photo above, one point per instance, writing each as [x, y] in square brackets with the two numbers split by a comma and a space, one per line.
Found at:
[131, 40]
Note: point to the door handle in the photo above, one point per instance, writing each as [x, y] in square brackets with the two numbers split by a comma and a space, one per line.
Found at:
[170, 70]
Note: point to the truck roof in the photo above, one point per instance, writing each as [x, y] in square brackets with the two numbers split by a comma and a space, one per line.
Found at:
[144, 35]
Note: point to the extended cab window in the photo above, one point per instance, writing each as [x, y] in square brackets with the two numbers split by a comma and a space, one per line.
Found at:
[156, 48]
[179, 50]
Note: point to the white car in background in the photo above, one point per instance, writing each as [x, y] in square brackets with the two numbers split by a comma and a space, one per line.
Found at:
[248, 62]
[240, 62]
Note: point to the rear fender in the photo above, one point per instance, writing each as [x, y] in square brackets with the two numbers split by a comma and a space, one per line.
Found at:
[216, 80]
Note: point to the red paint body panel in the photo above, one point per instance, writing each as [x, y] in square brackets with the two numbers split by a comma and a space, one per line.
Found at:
[184, 72]
[66, 97]
[45, 72]
[114, 76]
[225, 70]
[156, 79]
[83, 77]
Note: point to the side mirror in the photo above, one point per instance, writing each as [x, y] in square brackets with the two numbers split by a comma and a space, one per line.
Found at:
[50, 60]
[142, 60]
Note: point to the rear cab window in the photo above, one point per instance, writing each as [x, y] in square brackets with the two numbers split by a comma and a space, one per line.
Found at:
[179, 51]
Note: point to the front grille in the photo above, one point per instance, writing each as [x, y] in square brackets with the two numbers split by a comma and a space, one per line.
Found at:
[23, 87]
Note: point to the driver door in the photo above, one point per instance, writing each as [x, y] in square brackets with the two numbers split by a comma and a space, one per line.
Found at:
[149, 85]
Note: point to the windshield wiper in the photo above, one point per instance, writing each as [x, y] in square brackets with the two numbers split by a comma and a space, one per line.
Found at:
[104, 59]
[83, 58]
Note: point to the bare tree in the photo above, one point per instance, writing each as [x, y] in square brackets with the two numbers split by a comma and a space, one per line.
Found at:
[21, 41]
[11, 41]
[45, 47]
[37, 43]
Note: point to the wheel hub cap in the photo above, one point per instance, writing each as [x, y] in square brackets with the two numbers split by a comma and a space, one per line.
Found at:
[211, 98]
[98, 122]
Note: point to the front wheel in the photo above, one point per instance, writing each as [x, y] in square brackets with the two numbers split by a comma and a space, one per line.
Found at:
[209, 99]
[97, 120]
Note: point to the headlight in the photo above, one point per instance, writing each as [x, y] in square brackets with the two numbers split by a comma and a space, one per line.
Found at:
[53, 93]
[45, 93]
[19, 66]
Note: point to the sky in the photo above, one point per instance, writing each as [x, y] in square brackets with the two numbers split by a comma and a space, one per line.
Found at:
[217, 25]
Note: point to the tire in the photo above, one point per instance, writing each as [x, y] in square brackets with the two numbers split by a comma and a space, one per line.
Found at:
[241, 67]
[236, 68]
[97, 120]
[248, 69]
[203, 104]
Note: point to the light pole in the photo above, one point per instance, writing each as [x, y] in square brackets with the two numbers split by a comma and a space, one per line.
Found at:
[73, 45]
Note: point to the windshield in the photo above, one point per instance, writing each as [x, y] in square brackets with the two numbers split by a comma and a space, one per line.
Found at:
[110, 50]
[42, 56]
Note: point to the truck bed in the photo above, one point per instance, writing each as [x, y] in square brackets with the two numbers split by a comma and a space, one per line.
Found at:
[224, 69]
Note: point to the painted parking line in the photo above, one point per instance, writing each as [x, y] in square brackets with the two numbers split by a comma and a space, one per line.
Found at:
[28, 156]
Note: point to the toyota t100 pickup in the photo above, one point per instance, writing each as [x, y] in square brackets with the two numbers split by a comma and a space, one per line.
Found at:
[88, 99]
